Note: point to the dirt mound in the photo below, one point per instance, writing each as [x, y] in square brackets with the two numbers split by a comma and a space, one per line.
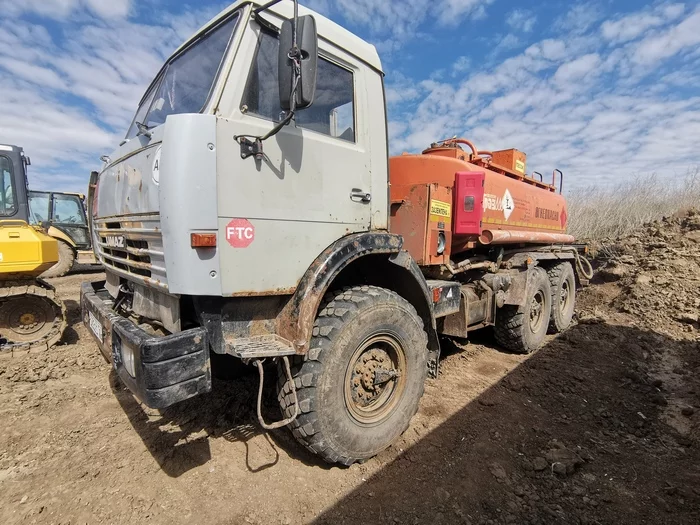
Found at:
[658, 270]
[599, 426]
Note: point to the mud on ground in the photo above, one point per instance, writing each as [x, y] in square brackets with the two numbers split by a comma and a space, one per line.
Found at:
[600, 426]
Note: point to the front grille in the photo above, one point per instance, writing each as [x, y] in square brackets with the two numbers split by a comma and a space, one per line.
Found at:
[133, 248]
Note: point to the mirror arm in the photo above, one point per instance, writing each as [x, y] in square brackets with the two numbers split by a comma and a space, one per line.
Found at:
[254, 147]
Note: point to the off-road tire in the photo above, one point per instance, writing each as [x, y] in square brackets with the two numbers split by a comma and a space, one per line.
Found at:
[561, 277]
[66, 258]
[348, 319]
[514, 330]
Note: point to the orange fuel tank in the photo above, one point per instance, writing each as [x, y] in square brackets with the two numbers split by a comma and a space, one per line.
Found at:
[450, 200]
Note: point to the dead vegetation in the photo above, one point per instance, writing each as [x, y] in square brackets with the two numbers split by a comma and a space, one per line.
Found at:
[597, 214]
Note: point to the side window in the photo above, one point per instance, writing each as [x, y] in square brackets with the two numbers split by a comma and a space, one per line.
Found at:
[38, 207]
[333, 110]
[8, 202]
[67, 209]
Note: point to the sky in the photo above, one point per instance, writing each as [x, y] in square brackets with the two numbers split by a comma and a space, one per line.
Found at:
[606, 90]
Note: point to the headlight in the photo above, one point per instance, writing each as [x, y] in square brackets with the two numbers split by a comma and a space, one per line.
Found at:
[128, 360]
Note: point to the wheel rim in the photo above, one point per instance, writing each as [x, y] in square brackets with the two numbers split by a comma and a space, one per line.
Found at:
[564, 296]
[26, 319]
[537, 308]
[375, 379]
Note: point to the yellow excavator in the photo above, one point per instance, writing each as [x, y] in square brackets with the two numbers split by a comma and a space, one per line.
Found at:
[31, 315]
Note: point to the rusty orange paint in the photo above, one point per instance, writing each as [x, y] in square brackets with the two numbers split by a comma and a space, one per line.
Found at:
[512, 201]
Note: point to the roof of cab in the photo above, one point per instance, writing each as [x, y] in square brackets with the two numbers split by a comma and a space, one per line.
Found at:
[327, 29]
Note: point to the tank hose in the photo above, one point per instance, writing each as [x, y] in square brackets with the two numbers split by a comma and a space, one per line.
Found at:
[581, 264]
[272, 426]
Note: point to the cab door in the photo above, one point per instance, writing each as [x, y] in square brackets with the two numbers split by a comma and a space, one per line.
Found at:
[13, 184]
[68, 216]
[313, 185]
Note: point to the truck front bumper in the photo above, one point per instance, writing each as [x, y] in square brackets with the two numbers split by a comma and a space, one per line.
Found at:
[159, 371]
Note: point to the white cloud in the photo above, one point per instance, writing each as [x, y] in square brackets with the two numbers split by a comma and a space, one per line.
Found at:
[572, 103]
[669, 42]
[568, 101]
[578, 19]
[61, 9]
[577, 69]
[454, 12]
[461, 65]
[66, 101]
[632, 26]
[506, 43]
[521, 20]
[394, 22]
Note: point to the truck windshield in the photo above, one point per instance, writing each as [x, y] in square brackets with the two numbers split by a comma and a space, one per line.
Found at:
[186, 81]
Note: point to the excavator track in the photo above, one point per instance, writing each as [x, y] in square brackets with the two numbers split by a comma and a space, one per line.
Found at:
[32, 317]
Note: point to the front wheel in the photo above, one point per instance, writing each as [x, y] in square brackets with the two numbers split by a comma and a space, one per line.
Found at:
[362, 379]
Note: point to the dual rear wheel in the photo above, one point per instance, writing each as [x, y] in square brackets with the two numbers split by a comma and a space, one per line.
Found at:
[549, 307]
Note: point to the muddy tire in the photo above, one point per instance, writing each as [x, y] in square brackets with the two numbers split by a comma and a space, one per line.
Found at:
[66, 258]
[522, 329]
[361, 381]
[563, 284]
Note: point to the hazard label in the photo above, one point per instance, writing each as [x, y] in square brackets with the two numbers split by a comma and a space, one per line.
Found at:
[240, 233]
[508, 204]
[440, 208]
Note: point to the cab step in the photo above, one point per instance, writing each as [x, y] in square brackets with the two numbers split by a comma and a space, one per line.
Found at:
[259, 347]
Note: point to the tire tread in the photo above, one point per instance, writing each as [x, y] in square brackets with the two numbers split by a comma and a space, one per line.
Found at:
[337, 309]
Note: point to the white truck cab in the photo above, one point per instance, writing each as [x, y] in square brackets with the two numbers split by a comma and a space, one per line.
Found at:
[185, 173]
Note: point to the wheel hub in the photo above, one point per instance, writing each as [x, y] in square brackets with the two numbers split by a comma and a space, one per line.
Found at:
[26, 318]
[374, 380]
[536, 310]
[564, 296]
[372, 372]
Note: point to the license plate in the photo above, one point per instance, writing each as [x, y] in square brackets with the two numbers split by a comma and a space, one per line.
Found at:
[95, 326]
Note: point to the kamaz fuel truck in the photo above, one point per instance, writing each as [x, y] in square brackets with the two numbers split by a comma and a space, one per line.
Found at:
[253, 211]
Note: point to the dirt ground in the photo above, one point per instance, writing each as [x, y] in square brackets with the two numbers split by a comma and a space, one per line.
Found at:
[599, 426]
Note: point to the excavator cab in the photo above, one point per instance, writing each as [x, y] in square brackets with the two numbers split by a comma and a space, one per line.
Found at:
[13, 183]
[63, 217]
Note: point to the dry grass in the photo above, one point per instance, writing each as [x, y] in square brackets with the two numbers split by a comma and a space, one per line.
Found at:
[604, 213]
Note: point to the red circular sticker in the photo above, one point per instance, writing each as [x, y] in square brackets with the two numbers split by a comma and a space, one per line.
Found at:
[240, 233]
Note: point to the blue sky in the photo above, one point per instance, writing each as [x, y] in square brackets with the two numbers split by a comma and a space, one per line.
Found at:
[606, 90]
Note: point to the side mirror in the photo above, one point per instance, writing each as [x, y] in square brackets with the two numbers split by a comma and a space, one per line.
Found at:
[307, 42]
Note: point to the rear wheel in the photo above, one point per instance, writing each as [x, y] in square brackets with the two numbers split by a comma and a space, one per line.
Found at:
[66, 258]
[563, 284]
[522, 329]
[362, 379]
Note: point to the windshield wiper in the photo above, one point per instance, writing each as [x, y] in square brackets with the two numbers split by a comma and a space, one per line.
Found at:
[143, 130]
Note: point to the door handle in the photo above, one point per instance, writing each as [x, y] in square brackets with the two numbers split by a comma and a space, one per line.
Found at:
[360, 195]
